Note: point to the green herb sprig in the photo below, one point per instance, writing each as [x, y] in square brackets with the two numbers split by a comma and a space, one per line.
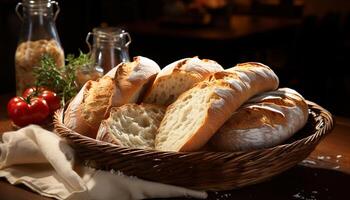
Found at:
[62, 80]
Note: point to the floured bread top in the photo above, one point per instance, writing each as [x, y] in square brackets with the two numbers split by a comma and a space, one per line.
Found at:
[140, 69]
[262, 73]
[133, 79]
[265, 120]
[199, 112]
[179, 77]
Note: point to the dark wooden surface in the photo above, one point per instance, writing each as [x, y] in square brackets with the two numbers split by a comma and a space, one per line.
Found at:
[325, 174]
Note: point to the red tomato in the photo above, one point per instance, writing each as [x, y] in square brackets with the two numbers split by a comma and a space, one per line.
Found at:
[52, 99]
[31, 90]
[23, 113]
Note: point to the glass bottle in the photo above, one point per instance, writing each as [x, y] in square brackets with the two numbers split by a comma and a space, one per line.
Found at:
[38, 37]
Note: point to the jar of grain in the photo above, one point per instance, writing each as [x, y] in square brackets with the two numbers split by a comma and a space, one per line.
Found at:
[38, 37]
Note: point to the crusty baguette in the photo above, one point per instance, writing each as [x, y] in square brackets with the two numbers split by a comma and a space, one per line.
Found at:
[178, 77]
[264, 121]
[123, 84]
[132, 125]
[95, 95]
[257, 76]
[198, 113]
[96, 102]
[133, 79]
[72, 116]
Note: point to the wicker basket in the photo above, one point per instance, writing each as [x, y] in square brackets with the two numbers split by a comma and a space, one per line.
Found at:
[201, 170]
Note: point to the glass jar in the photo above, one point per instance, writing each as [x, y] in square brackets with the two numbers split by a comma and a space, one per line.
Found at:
[110, 47]
[38, 37]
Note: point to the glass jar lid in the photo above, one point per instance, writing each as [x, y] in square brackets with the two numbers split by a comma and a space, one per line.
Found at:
[38, 7]
[109, 35]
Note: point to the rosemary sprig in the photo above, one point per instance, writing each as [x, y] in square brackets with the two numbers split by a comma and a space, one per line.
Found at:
[60, 79]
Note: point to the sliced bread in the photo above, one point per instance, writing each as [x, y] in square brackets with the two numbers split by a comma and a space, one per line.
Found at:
[132, 125]
[198, 113]
[123, 84]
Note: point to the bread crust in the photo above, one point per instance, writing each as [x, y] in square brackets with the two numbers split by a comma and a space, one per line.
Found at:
[72, 116]
[258, 76]
[264, 121]
[229, 90]
[123, 84]
[222, 104]
[165, 89]
[133, 79]
[89, 107]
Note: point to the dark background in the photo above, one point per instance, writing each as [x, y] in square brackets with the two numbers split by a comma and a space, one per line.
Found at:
[310, 56]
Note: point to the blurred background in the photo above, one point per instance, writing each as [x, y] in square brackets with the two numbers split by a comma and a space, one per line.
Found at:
[306, 42]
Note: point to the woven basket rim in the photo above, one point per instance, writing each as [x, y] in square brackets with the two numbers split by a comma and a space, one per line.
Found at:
[231, 169]
[59, 119]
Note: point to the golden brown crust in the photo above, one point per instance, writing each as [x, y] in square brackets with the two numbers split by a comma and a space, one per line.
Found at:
[266, 120]
[121, 85]
[178, 77]
[216, 116]
[227, 92]
[97, 100]
[72, 116]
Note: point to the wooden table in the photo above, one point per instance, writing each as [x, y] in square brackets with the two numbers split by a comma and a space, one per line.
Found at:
[325, 174]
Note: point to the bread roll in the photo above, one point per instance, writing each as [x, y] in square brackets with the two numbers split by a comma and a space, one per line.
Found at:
[132, 125]
[123, 84]
[178, 77]
[198, 113]
[264, 121]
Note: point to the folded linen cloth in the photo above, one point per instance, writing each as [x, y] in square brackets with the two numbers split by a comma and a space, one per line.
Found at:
[44, 162]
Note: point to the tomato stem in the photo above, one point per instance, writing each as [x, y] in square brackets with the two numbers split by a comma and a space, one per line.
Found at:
[27, 99]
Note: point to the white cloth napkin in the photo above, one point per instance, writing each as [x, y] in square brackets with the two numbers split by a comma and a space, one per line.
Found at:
[45, 163]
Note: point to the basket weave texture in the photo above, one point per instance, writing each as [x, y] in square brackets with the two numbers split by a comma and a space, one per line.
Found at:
[201, 170]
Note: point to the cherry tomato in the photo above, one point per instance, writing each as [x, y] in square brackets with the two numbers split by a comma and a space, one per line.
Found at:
[52, 99]
[23, 113]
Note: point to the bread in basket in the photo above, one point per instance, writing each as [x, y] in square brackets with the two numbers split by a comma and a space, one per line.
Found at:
[188, 164]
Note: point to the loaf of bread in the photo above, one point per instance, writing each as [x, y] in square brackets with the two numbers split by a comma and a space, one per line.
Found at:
[198, 113]
[257, 76]
[178, 77]
[89, 106]
[123, 84]
[132, 125]
[133, 79]
[264, 121]
[72, 116]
